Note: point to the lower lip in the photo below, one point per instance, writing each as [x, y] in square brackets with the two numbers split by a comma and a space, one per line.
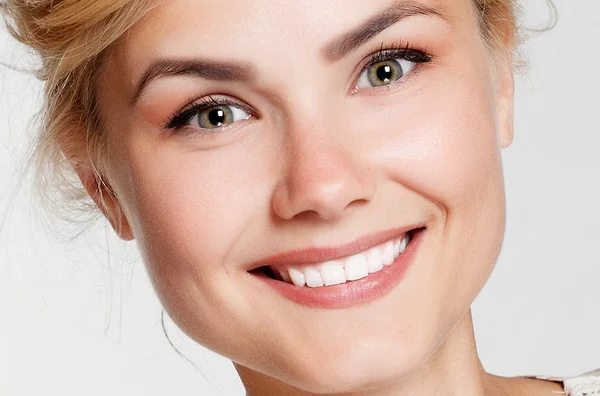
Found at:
[353, 293]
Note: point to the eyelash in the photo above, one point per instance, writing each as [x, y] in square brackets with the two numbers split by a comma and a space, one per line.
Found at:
[396, 50]
[179, 120]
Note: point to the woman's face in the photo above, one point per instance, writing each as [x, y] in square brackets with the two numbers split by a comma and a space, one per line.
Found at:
[303, 136]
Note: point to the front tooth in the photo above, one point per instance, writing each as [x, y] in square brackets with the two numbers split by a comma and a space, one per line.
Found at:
[356, 267]
[396, 247]
[404, 243]
[333, 273]
[297, 277]
[374, 260]
[313, 277]
[388, 253]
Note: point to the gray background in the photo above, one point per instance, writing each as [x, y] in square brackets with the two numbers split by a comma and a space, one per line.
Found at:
[80, 317]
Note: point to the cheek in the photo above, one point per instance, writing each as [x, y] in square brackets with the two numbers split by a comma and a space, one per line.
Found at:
[189, 210]
[441, 143]
[461, 172]
[440, 140]
[199, 201]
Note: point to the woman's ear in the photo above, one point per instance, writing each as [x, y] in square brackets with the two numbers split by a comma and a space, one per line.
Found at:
[506, 104]
[504, 67]
[106, 199]
[502, 41]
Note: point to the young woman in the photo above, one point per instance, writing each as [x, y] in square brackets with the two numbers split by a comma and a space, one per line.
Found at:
[316, 187]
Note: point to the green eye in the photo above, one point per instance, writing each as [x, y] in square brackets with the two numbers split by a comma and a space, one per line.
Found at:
[215, 117]
[218, 116]
[386, 72]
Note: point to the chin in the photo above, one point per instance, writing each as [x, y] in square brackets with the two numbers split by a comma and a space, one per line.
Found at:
[369, 365]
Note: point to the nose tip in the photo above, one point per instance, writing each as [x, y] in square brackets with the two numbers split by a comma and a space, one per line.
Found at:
[328, 202]
[324, 184]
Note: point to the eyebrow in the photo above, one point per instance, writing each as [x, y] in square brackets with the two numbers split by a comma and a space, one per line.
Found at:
[243, 72]
[393, 14]
[210, 70]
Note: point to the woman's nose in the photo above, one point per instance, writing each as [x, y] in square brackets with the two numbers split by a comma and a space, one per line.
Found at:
[323, 178]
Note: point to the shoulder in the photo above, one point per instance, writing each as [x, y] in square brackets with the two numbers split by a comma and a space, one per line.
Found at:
[581, 385]
[587, 384]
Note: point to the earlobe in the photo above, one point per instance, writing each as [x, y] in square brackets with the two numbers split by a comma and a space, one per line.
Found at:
[106, 200]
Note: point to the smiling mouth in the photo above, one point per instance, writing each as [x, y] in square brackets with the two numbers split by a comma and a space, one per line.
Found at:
[341, 270]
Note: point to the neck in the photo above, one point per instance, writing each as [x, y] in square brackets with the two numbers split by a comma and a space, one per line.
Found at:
[453, 369]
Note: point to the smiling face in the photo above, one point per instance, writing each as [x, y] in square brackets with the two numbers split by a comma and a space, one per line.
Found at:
[270, 139]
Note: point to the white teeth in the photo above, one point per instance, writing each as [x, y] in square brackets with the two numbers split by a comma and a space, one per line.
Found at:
[285, 275]
[333, 273]
[297, 277]
[388, 253]
[396, 247]
[374, 260]
[403, 244]
[313, 277]
[356, 267]
[352, 268]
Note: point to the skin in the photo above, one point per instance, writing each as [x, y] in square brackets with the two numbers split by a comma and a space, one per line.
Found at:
[319, 164]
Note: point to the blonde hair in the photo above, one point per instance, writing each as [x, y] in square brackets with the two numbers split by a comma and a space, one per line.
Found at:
[72, 37]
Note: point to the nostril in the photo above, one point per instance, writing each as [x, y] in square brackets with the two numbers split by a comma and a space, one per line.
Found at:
[327, 186]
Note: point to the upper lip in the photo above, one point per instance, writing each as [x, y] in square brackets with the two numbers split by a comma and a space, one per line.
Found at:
[313, 254]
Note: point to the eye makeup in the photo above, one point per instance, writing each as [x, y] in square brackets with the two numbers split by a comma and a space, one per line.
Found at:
[198, 106]
[397, 50]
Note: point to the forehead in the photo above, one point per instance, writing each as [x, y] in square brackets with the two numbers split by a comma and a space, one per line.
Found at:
[256, 31]
[245, 25]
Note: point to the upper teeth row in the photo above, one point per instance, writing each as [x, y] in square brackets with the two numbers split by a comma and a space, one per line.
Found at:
[351, 268]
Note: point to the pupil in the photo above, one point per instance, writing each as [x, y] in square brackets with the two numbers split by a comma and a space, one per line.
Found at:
[216, 117]
[385, 73]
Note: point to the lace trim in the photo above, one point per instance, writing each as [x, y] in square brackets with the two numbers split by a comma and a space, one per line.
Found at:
[582, 385]
[585, 385]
